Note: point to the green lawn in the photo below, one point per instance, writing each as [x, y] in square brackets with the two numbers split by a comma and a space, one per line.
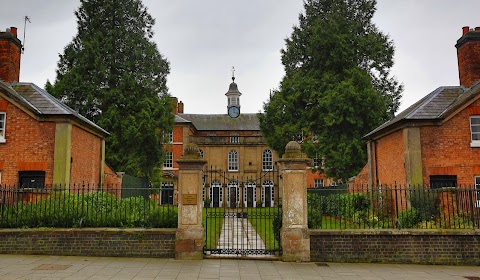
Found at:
[262, 221]
[213, 225]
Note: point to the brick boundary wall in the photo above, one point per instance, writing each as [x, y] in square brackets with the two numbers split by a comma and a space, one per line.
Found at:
[104, 242]
[453, 247]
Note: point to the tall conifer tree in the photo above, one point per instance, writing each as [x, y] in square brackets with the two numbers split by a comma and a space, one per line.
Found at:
[113, 74]
[337, 85]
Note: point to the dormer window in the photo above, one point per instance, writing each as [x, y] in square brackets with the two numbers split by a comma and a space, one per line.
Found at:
[3, 118]
[475, 131]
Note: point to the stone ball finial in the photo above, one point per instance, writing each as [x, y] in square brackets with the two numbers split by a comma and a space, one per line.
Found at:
[293, 150]
[191, 151]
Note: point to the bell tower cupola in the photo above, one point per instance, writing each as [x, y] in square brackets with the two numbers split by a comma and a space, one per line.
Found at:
[233, 97]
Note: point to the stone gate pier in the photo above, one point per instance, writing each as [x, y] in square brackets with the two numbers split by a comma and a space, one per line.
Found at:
[295, 236]
[190, 235]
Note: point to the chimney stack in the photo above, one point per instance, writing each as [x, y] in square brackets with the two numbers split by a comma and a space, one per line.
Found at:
[468, 54]
[180, 107]
[10, 52]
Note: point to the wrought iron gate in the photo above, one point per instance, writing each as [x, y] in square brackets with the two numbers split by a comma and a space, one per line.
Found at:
[242, 214]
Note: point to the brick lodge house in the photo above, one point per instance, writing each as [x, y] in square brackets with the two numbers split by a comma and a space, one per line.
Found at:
[436, 141]
[42, 141]
[241, 168]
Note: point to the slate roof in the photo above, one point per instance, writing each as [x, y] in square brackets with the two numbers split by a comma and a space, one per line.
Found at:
[435, 106]
[41, 102]
[220, 121]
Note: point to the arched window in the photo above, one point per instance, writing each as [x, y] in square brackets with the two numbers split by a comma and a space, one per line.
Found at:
[232, 160]
[267, 160]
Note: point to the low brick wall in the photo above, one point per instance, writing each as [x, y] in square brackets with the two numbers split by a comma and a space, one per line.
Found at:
[89, 242]
[396, 246]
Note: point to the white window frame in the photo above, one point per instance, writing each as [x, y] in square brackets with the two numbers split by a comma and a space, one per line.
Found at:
[169, 137]
[168, 163]
[475, 134]
[271, 195]
[267, 160]
[233, 160]
[253, 185]
[233, 187]
[234, 139]
[3, 121]
[318, 183]
[216, 184]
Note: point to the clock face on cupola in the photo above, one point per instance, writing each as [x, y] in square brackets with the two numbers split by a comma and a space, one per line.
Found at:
[233, 96]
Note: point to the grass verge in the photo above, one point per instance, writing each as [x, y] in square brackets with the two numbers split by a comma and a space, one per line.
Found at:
[212, 223]
[262, 221]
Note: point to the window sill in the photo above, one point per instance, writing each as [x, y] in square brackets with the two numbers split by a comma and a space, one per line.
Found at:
[475, 144]
[3, 140]
[170, 168]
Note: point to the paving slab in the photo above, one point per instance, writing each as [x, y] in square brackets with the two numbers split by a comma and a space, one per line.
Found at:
[91, 268]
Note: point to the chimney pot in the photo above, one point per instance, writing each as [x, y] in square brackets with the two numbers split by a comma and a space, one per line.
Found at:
[465, 29]
[180, 107]
[13, 30]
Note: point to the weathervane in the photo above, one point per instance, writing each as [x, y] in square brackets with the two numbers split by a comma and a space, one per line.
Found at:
[233, 73]
[24, 29]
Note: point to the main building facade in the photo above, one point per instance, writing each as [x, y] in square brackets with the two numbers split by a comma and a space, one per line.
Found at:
[241, 168]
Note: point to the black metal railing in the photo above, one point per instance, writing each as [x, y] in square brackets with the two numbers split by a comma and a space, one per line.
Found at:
[388, 207]
[242, 213]
[85, 206]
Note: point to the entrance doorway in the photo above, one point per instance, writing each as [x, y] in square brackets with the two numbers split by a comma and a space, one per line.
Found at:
[268, 194]
[216, 194]
[250, 195]
[233, 191]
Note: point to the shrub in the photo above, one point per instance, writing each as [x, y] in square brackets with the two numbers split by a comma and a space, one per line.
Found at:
[408, 218]
[98, 209]
[425, 201]
[314, 218]
[355, 207]
[206, 203]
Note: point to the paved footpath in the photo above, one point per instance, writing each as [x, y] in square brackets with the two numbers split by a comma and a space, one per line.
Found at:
[64, 267]
[238, 233]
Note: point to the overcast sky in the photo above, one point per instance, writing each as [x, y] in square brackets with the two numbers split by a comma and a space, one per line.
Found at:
[204, 39]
